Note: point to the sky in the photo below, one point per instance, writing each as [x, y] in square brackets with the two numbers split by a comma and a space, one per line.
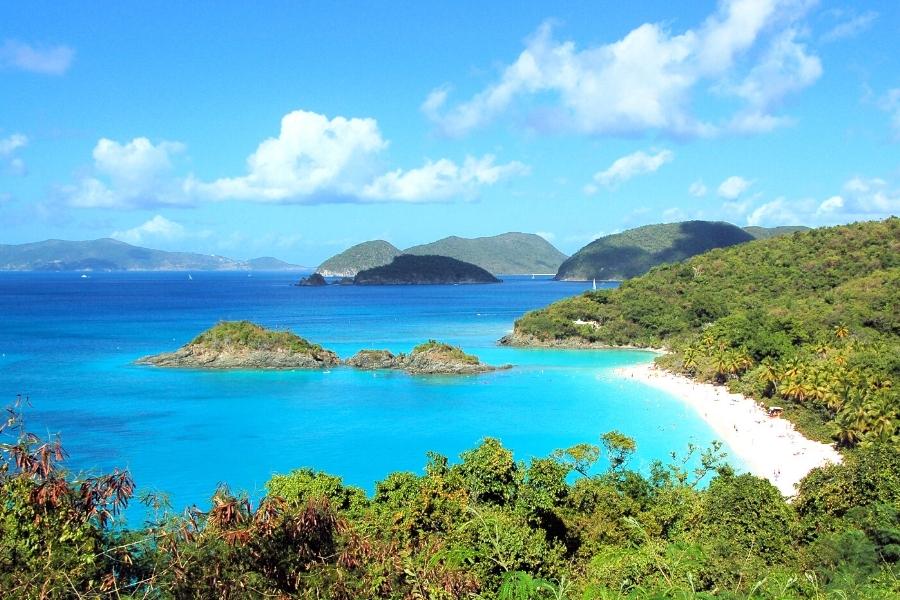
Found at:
[294, 129]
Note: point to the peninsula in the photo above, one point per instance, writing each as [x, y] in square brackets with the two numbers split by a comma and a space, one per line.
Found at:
[806, 322]
[245, 345]
[407, 269]
[430, 358]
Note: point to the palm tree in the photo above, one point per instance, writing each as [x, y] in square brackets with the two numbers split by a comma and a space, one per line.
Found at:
[841, 331]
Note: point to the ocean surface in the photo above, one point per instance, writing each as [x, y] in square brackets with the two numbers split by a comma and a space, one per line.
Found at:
[69, 343]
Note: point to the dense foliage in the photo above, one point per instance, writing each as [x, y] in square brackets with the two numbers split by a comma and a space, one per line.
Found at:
[810, 321]
[445, 351]
[410, 269]
[764, 233]
[244, 334]
[486, 527]
[636, 251]
[360, 257]
[508, 253]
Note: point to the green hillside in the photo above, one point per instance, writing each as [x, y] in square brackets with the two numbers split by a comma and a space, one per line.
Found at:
[408, 269]
[360, 257]
[507, 254]
[636, 251]
[764, 233]
[811, 321]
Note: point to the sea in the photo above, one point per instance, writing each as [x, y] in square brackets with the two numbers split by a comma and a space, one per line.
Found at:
[68, 343]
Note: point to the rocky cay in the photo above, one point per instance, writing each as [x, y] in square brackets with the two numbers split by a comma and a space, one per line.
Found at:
[242, 345]
[245, 345]
[430, 358]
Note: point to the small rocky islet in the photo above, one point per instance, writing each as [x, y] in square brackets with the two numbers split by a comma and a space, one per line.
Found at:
[245, 345]
[430, 358]
[242, 345]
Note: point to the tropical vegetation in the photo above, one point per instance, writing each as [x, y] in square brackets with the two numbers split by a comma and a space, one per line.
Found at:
[247, 335]
[635, 251]
[579, 524]
[809, 321]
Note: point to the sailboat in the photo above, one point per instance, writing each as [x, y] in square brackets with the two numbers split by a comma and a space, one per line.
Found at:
[595, 283]
[190, 278]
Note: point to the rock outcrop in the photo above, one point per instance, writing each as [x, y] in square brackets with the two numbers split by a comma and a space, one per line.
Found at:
[314, 280]
[245, 345]
[430, 358]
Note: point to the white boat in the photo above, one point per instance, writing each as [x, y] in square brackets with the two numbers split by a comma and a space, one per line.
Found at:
[84, 276]
[595, 283]
[190, 278]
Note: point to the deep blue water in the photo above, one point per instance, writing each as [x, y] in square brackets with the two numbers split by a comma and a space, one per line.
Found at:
[69, 344]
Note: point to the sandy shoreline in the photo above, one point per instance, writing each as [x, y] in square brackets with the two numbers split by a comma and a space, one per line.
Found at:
[769, 447]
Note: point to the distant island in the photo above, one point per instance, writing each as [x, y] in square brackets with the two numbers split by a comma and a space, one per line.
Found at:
[505, 254]
[108, 254]
[430, 358]
[367, 255]
[407, 269]
[245, 345]
[636, 251]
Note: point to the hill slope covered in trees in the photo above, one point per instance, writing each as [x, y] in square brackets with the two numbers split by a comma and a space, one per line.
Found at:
[367, 255]
[811, 320]
[636, 251]
[505, 254]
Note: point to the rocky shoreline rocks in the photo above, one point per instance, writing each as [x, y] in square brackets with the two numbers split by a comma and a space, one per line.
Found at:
[430, 358]
[245, 345]
[241, 345]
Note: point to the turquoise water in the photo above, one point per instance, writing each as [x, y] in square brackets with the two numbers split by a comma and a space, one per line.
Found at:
[69, 343]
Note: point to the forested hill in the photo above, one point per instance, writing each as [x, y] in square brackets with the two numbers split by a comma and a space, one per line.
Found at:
[764, 233]
[112, 255]
[811, 320]
[506, 254]
[636, 251]
[367, 255]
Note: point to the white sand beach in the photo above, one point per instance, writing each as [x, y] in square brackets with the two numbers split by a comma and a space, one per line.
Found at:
[769, 447]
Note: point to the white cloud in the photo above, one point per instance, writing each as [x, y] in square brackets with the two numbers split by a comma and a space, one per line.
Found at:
[733, 187]
[311, 155]
[645, 80]
[850, 27]
[830, 205]
[631, 165]
[8, 145]
[697, 189]
[313, 159]
[546, 235]
[861, 199]
[131, 175]
[50, 60]
[785, 68]
[157, 228]
[440, 180]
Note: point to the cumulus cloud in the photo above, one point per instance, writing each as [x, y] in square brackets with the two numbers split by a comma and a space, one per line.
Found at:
[46, 60]
[733, 187]
[313, 159]
[645, 80]
[439, 180]
[860, 199]
[631, 165]
[157, 228]
[135, 174]
[8, 146]
[697, 189]
[311, 155]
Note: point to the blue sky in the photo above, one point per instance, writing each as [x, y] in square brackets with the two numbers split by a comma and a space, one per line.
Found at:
[297, 129]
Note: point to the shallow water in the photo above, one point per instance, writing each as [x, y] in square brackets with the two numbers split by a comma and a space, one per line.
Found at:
[69, 343]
